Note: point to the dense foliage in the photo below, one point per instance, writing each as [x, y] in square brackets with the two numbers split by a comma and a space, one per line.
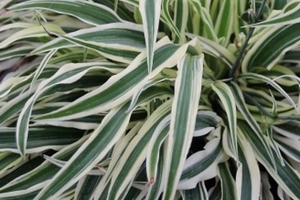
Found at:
[149, 99]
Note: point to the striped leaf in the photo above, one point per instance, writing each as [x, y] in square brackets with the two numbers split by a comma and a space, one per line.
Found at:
[31, 32]
[225, 94]
[168, 19]
[206, 122]
[265, 186]
[280, 172]
[214, 49]
[129, 42]
[198, 193]
[202, 165]
[289, 146]
[289, 15]
[16, 51]
[42, 66]
[180, 19]
[150, 11]
[8, 160]
[225, 20]
[37, 178]
[183, 117]
[61, 77]
[206, 20]
[228, 185]
[242, 107]
[102, 188]
[248, 174]
[90, 13]
[86, 186]
[280, 39]
[108, 95]
[13, 107]
[156, 187]
[135, 154]
[40, 138]
[159, 136]
[215, 192]
[288, 129]
[17, 25]
[271, 82]
[94, 149]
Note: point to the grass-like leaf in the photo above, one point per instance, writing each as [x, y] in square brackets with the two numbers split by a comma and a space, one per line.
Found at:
[183, 117]
[150, 11]
[225, 94]
[74, 8]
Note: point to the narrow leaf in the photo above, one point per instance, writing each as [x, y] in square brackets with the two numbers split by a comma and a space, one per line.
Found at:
[150, 11]
[183, 118]
[225, 94]
[92, 13]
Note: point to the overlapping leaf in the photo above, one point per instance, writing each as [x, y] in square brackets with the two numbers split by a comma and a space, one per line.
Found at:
[183, 117]
[94, 149]
[150, 11]
[90, 13]
[279, 39]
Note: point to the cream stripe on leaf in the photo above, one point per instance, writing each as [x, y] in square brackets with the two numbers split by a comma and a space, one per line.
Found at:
[122, 86]
[280, 172]
[150, 11]
[183, 118]
[95, 148]
[227, 99]
[92, 13]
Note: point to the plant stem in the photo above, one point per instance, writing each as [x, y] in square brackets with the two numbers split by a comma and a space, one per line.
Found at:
[238, 60]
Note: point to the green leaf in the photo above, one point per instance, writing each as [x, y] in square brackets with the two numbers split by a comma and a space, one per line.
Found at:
[31, 32]
[94, 149]
[202, 165]
[248, 174]
[183, 118]
[271, 82]
[242, 107]
[284, 175]
[288, 129]
[225, 94]
[34, 179]
[135, 154]
[214, 49]
[76, 71]
[13, 107]
[92, 13]
[40, 138]
[8, 160]
[289, 146]
[280, 39]
[150, 11]
[289, 15]
[168, 19]
[227, 182]
[180, 19]
[41, 67]
[198, 193]
[122, 85]
[117, 41]
[86, 186]
[225, 20]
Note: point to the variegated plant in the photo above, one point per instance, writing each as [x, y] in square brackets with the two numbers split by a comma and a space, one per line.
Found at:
[149, 99]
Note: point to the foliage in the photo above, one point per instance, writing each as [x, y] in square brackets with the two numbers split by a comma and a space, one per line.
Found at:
[149, 99]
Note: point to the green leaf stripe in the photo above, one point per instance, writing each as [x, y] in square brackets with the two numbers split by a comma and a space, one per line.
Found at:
[90, 13]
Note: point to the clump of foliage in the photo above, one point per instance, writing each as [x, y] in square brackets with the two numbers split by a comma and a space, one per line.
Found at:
[149, 99]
